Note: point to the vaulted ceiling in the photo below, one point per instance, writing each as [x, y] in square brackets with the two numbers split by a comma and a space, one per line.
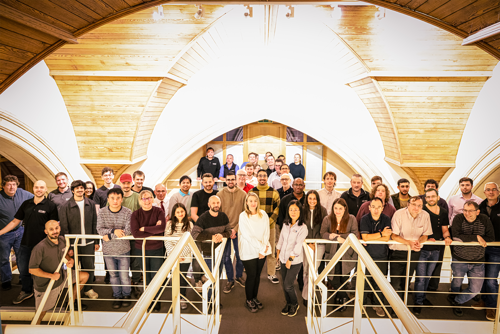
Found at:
[117, 68]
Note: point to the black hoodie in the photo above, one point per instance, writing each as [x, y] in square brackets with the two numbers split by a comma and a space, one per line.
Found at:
[353, 202]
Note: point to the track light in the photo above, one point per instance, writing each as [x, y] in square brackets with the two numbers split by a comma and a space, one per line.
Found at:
[248, 11]
[380, 14]
[290, 12]
[199, 13]
[158, 15]
[337, 12]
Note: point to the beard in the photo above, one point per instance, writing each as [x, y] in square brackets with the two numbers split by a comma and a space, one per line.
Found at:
[54, 235]
[215, 209]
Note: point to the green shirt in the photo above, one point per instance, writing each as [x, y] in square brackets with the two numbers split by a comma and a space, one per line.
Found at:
[131, 202]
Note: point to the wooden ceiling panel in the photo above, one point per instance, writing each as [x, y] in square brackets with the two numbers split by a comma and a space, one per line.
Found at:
[96, 169]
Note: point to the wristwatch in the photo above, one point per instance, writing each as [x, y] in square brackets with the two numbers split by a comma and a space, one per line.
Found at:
[381, 234]
[290, 259]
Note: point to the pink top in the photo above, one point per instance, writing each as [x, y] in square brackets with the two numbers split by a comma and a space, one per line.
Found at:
[456, 205]
[409, 228]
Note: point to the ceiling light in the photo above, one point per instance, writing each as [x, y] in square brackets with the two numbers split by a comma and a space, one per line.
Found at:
[290, 12]
[248, 11]
[337, 12]
[199, 13]
[158, 15]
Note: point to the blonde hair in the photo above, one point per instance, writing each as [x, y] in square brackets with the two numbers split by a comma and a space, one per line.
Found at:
[247, 209]
[145, 192]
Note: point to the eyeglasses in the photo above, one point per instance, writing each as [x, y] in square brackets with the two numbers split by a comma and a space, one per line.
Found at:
[146, 199]
[488, 189]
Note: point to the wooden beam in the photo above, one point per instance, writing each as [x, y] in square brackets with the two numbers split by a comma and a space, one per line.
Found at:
[159, 75]
[33, 22]
[423, 75]
[489, 31]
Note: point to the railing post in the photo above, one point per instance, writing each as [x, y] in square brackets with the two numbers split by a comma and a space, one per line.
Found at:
[496, 327]
[77, 281]
[144, 264]
[70, 298]
[358, 300]
[407, 282]
[176, 298]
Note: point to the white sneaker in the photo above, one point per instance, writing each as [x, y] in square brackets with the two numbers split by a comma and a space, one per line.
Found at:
[92, 294]
[273, 279]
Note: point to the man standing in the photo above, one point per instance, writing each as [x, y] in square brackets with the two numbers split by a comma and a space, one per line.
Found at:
[265, 165]
[62, 194]
[411, 226]
[241, 177]
[232, 201]
[253, 159]
[113, 222]
[34, 213]
[131, 201]
[11, 198]
[209, 164]
[328, 194]
[214, 225]
[456, 203]
[270, 203]
[44, 260]
[491, 208]
[469, 226]
[182, 196]
[139, 178]
[251, 179]
[199, 203]
[400, 199]
[276, 183]
[355, 196]
[277, 172]
[285, 186]
[161, 199]
[78, 216]
[101, 194]
[377, 227]
[381, 191]
[432, 184]
[229, 166]
[439, 223]
[297, 194]
[376, 180]
[270, 165]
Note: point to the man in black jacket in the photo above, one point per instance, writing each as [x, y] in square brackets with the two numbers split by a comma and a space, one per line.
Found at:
[491, 208]
[70, 215]
[209, 164]
[355, 196]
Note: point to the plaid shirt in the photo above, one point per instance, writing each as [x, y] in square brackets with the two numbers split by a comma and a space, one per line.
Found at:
[269, 202]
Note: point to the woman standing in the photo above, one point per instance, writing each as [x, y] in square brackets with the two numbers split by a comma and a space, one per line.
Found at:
[313, 214]
[336, 227]
[289, 253]
[89, 190]
[146, 222]
[253, 237]
[176, 227]
[297, 168]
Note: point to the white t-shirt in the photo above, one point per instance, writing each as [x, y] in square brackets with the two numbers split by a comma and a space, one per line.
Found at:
[81, 206]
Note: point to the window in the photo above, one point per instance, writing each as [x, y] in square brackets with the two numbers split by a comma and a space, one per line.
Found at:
[235, 134]
[294, 136]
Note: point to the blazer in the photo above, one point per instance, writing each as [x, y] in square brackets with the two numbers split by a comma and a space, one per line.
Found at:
[315, 232]
[69, 217]
[331, 249]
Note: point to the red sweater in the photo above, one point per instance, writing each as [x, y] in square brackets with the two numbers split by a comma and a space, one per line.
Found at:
[148, 220]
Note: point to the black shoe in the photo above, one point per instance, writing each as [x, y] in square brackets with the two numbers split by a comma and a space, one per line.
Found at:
[258, 303]
[84, 306]
[136, 292]
[117, 304]
[458, 312]
[250, 305]
[285, 310]
[341, 301]
[477, 298]
[22, 297]
[106, 278]
[6, 286]
[126, 301]
[304, 301]
[427, 302]
[157, 307]
[293, 310]
[451, 300]
[417, 310]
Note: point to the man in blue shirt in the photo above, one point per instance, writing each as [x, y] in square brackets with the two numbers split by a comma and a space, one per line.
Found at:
[11, 198]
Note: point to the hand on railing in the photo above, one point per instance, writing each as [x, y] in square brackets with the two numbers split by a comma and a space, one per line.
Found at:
[217, 238]
[119, 233]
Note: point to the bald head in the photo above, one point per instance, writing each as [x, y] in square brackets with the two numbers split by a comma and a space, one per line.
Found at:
[52, 229]
[160, 191]
[39, 188]
[214, 203]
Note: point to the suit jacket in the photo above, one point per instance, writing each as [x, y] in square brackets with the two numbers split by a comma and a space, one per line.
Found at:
[70, 219]
[314, 233]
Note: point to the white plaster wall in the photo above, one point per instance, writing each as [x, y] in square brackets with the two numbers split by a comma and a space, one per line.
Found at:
[481, 131]
[35, 100]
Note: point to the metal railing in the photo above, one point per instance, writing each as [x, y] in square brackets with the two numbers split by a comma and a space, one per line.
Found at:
[319, 295]
[134, 320]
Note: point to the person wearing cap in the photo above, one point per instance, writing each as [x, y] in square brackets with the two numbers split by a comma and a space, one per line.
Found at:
[241, 181]
[285, 185]
[131, 201]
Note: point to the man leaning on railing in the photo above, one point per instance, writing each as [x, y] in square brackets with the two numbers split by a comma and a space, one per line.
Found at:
[45, 258]
[469, 226]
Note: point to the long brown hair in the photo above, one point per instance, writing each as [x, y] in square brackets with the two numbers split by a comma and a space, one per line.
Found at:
[317, 217]
[345, 217]
[185, 221]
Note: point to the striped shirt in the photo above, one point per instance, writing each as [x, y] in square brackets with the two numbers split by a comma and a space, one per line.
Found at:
[170, 244]
[107, 223]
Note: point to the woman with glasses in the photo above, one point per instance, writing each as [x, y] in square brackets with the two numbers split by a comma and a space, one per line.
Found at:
[146, 222]
[289, 253]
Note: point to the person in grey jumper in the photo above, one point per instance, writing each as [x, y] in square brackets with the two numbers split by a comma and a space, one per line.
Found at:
[113, 222]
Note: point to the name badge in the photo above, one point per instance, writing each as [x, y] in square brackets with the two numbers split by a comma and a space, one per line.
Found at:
[41, 211]
[67, 199]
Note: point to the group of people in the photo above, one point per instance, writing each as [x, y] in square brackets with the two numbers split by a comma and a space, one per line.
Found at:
[265, 216]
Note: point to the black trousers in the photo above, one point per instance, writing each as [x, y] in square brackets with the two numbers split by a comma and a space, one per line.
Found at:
[337, 280]
[253, 269]
[87, 262]
[288, 277]
[135, 263]
[399, 269]
[184, 267]
[383, 265]
[434, 281]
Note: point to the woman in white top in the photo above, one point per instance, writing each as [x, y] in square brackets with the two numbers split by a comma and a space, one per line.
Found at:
[176, 227]
[253, 237]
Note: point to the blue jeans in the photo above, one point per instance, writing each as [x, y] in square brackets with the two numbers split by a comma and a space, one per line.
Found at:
[228, 263]
[208, 260]
[424, 271]
[491, 271]
[23, 263]
[121, 277]
[475, 274]
[7, 242]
